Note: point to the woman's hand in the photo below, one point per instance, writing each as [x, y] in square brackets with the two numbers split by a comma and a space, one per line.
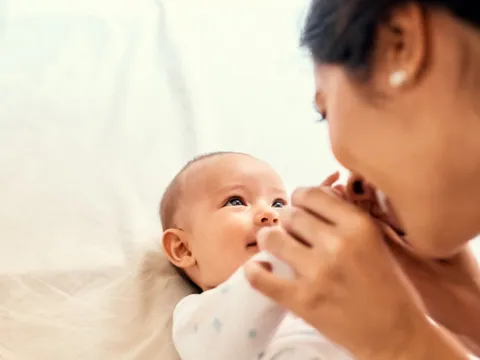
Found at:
[449, 288]
[348, 284]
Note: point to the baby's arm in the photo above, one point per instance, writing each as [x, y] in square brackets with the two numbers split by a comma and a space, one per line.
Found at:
[230, 322]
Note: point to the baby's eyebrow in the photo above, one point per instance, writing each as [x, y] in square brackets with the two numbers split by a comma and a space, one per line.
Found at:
[281, 191]
[244, 189]
[232, 187]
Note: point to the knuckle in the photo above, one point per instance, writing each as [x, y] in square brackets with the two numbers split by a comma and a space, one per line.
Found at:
[301, 194]
[311, 297]
[255, 280]
[362, 224]
[255, 283]
[339, 251]
[337, 245]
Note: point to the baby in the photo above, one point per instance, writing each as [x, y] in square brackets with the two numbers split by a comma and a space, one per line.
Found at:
[211, 213]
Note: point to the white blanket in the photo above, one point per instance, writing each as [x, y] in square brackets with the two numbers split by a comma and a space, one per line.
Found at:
[101, 102]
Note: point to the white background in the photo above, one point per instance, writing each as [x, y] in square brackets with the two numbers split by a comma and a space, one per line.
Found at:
[102, 101]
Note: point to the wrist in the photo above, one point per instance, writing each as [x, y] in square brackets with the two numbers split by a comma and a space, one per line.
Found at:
[425, 341]
[440, 344]
[466, 302]
[433, 342]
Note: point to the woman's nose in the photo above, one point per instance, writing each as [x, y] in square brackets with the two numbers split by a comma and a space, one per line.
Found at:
[266, 217]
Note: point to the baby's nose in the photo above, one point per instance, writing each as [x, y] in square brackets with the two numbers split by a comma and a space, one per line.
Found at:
[267, 217]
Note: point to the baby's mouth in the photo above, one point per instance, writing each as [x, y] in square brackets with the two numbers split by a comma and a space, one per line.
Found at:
[251, 244]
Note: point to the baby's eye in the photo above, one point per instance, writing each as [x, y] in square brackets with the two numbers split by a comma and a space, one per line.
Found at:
[279, 203]
[235, 201]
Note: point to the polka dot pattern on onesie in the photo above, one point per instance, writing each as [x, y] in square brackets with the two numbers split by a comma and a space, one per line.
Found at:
[217, 324]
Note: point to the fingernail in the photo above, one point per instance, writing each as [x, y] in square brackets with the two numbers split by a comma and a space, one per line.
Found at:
[358, 187]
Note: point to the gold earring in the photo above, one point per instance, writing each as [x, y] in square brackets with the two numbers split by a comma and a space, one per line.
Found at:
[398, 78]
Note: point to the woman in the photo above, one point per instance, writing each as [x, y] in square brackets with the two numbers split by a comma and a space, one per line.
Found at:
[399, 82]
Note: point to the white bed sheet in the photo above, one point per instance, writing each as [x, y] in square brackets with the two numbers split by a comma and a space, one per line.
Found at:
[100, 103]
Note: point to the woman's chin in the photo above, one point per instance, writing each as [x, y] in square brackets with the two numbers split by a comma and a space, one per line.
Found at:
[434, 246]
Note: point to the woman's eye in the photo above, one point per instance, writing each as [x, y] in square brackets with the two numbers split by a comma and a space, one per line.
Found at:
[320, 109]
[279, 203]
[323, 116]
[235, 201]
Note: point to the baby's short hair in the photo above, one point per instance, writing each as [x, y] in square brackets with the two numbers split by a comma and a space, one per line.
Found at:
[173, 193]
[172, 197]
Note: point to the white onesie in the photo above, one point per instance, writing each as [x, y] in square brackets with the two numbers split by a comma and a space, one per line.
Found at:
[235, 322]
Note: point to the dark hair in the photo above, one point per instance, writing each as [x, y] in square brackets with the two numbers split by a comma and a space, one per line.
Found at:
[343, 32]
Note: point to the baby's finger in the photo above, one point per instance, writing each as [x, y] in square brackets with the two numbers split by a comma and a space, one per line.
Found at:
[340, 191]
[330, 180]
[278, 289]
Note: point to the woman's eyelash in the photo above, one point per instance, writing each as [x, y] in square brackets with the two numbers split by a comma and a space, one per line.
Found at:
[322, 117]
[323, 114]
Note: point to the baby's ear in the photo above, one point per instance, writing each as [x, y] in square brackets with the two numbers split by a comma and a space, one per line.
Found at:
[175, 247]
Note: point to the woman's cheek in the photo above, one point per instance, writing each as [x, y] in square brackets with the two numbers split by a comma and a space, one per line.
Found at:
[341, 146]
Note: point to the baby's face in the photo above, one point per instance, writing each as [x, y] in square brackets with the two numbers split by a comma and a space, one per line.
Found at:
[231, 198]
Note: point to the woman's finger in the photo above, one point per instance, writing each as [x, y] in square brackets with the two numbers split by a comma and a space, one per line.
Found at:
[279, 289]
[306, 227]
[283, 246]
[323, 203]
[332, 179]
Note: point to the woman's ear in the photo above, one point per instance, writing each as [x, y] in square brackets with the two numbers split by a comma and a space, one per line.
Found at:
[175, 246]
[401, 51]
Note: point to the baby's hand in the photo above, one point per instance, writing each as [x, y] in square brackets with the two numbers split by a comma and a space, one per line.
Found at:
[338, 189]
[365, 196]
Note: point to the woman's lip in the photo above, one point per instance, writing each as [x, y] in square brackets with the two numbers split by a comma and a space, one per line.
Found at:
[399, 232]
[389, 213]
[382, 200]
